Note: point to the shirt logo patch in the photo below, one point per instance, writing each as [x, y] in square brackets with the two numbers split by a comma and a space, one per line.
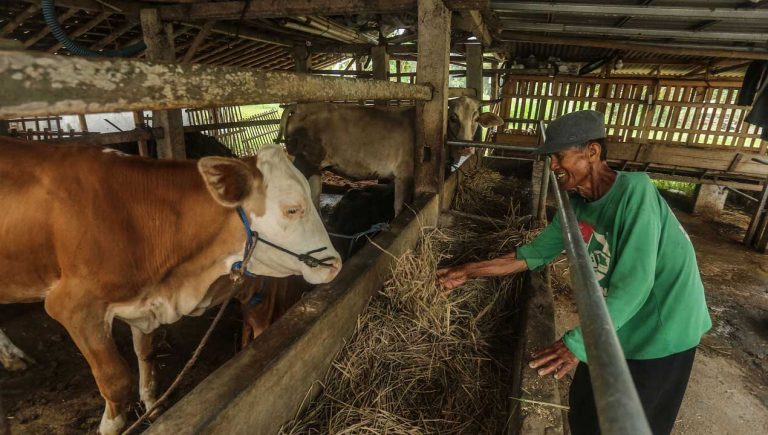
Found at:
[599, 252]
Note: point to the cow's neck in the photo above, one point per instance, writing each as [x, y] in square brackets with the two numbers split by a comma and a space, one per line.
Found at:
[195, 241]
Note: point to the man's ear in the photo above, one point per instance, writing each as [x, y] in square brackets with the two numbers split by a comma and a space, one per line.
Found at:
[228, 180]
[489, 119]
[593, 151]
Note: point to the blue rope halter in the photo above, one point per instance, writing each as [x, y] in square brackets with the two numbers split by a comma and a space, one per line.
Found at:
[250, 243]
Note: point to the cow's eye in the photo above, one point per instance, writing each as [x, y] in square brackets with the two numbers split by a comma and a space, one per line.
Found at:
[292, 210]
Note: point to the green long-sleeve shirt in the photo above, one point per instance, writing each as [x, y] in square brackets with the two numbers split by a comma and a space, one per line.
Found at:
[645, 263]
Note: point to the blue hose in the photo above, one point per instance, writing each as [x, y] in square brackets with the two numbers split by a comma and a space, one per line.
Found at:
[49, 13]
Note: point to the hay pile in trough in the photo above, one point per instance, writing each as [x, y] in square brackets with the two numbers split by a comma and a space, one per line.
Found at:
[421, 361]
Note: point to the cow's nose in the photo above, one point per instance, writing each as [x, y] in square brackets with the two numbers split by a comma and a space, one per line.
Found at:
[334, 265]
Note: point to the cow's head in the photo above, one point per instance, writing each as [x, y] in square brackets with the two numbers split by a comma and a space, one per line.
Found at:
[276, 198]
[464, 117]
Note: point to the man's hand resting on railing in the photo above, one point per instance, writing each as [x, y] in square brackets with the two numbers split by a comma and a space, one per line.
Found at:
[555, 359]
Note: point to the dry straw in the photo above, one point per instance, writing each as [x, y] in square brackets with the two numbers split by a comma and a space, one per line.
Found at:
[421, 361]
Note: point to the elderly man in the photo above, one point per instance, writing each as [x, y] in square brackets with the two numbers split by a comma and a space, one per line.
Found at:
[643, 260]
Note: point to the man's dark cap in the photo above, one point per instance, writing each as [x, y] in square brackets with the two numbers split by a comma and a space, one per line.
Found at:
[573, 129]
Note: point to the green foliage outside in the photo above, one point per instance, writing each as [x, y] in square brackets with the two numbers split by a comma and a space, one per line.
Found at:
[676, 186]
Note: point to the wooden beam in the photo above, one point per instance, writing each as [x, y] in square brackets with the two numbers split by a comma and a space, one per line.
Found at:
[198, 41]
[475, 68]
[472, 21]
[106, 139]
[302, 59]
[234, 10]
[19, 19]
[380, 60]
[46, 30]
[434, 27]
[159, 39]
[124, 7]
[93, 22]
[755, 54]
[34, 84]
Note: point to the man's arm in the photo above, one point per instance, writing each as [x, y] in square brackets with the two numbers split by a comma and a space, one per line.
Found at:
[452, 277]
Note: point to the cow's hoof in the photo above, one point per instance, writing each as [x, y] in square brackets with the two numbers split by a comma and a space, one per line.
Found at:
[13, 359]
[111, 426]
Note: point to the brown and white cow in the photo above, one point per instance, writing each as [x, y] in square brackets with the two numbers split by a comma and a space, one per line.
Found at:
[366, 142]
[101, 236]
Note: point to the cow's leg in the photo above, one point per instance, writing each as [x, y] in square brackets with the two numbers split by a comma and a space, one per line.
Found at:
[143, 345]
[84, 319]
[11, 357]
[315, 188]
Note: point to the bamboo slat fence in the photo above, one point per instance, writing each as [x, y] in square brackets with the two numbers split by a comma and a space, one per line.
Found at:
[674, 112]
[243, 141]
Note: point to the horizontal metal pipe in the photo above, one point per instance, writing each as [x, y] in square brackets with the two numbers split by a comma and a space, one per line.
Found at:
[749, 197]
[34, 84]
[618, 405]
[525, 26]
[492, 146]
[662, 12]
[759, 160]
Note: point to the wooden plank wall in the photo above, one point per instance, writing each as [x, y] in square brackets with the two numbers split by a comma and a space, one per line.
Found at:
[681, 113]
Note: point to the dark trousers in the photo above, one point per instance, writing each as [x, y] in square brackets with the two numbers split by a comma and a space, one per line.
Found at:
[660, 384]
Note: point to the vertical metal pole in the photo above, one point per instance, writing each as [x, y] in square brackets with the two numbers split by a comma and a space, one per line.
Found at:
[618, 405]
[541, 210]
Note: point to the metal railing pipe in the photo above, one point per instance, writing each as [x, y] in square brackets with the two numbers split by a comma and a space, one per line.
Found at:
[618, 406]
[745, 195]
[492, 146]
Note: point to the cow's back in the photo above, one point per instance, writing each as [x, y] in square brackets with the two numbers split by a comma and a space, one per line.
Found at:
[78, 210]
[359, 141]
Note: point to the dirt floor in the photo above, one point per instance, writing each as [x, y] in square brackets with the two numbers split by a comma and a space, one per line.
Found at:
[58, 394]
[728, 389]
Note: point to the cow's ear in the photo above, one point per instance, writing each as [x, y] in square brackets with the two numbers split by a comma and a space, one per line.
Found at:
[489, 119]
[229, 180]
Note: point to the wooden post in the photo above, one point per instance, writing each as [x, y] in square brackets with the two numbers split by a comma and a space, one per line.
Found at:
[302, 59]
[474, 55]
[159, 40]
[380, 67]
[475, 68]
[5, 128]
[431, 116]
[138, 122]
[83, 123]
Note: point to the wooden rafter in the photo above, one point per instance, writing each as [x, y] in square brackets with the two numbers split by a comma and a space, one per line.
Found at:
[46, 30]
[120, 31]
[95, 21]
[472, 21]
[19, 19]
[197, 42]
[234, 10]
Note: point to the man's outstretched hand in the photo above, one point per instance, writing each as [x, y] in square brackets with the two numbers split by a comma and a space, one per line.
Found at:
[451, 277]
[555, 359]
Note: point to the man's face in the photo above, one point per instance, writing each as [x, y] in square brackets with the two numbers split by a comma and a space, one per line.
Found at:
[571, 166]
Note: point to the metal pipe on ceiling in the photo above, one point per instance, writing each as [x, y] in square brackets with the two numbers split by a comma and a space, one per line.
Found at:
[651, 11]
